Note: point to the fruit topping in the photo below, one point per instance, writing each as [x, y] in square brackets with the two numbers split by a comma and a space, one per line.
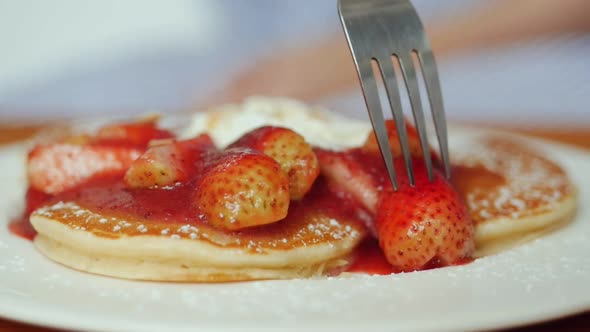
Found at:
[296, 157]
[372, 146]
[54, 168]
[254, 180]
[350, 172]
[168, 162]
[425, 225]
[242, 187]
[418, 227]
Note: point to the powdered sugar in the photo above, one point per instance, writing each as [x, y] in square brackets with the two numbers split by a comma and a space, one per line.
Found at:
[141, 228]
[319, 230]
[532, 183]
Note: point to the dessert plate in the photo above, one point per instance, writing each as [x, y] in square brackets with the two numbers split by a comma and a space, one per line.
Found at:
[541, 280]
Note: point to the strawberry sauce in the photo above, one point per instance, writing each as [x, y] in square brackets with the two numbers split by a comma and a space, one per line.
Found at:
[21, 226]
[319, 217]
[111, 197]
[370, 259]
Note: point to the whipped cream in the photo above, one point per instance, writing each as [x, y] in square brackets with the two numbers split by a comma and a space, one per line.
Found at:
[319, 126]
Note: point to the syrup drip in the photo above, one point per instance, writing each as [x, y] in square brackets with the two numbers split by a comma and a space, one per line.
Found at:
[370, 259]
[21, 226]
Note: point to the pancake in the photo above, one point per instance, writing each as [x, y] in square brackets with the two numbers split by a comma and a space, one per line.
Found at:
[513, 193]
[315, 239]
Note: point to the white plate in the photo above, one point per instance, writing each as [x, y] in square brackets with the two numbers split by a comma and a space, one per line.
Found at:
[541, 280]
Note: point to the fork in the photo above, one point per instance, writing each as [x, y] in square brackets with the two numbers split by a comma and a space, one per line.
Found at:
[384, 31]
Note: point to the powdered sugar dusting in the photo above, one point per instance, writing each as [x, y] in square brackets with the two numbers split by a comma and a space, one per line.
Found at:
[315, 230]
[532, 183]
[141, 228]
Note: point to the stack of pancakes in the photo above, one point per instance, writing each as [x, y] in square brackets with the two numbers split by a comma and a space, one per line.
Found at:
[512, 192]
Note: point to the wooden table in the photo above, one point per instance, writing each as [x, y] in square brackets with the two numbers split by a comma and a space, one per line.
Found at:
[577, 137]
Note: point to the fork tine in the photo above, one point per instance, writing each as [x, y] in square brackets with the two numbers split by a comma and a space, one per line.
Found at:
[436, 104]
[369, 87]
[409, 73]
[392, 88]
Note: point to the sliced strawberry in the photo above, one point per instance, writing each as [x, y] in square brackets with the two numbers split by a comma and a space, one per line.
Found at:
[242, 188]
[291, 151]
[361, 172]
[56, 167]
[167, 163]
[355, 173]
[372, 146]
[424, 225]
[139, 133]
[159, 166]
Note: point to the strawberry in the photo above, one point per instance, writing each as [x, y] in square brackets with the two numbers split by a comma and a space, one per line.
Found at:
[424, 225]
[139, 133]
[56, 167]
[240, 188]
[361, 172]
[355, 173]
[167, 162]
[296, 157]
[53, 168]
[372, 146]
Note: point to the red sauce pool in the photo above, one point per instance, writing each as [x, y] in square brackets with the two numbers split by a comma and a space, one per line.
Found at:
[21, 226]
[370, 259]
[173, 206]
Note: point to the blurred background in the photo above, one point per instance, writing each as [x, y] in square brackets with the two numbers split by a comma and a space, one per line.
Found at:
[518, 62]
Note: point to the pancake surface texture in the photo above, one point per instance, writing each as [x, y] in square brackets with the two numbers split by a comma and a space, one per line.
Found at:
[512, 192]
[305, 244]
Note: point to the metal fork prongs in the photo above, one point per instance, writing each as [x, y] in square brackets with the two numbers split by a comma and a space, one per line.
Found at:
[384, 32]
